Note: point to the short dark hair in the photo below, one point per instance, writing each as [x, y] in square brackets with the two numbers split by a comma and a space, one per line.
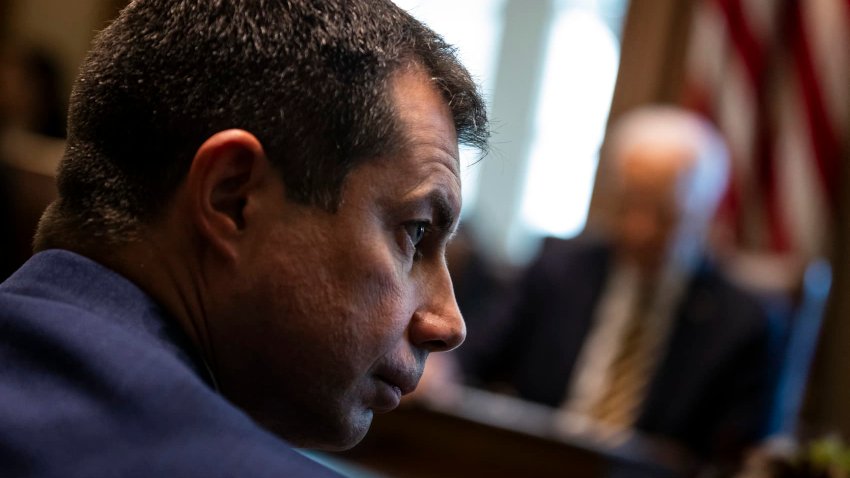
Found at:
[309, 78]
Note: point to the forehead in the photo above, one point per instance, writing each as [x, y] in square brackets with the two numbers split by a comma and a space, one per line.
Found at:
[423, 169]
[653, 166]
[425, 116]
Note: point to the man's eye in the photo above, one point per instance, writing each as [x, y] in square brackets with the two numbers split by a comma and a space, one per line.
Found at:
[416, 231]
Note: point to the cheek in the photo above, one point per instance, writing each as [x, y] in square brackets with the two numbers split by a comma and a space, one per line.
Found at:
[380, 304]
[381, 298]
[348, 302]
[356, 302]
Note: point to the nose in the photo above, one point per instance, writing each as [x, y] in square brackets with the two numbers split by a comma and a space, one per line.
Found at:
[437, 326]
[641, 226]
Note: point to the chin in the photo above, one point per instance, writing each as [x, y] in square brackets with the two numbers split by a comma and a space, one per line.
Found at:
[351, 433]
[339, 445]
[339, 436]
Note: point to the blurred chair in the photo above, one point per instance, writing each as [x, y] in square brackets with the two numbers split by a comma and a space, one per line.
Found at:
[800, 348]
[27, 192]
[31, 127]
[795, 295]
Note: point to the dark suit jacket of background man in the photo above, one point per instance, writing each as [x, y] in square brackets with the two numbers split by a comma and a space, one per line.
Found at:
[113, 386]
[712, 389]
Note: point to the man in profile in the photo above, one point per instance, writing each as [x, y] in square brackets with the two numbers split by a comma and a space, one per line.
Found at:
[254, 206]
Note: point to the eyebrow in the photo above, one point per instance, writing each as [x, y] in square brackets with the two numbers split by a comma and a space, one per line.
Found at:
[444, 213]
[455, 160]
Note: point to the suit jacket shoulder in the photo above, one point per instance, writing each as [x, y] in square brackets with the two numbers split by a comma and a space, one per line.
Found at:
[713, 389]
[95, 381]
[537, 329]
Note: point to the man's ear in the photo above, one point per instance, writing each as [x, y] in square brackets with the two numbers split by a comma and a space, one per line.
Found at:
[225, 174]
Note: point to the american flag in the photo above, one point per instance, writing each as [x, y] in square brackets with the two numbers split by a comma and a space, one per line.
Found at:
[775, 77]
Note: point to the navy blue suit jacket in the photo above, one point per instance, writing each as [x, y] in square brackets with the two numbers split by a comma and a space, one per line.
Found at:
[712, 389]
[95, 381]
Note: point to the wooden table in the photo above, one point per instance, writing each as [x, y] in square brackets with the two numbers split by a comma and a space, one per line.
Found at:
[485, 434]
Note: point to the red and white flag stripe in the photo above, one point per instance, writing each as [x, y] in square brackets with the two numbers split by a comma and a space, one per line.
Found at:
[775, 77]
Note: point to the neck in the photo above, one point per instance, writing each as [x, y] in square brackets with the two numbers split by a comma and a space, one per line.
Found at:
[168, 271]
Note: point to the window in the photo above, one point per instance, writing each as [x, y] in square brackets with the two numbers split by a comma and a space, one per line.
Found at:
[540, 177]
[578, 82]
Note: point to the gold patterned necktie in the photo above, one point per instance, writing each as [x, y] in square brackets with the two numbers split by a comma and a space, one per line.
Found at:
[629, 372]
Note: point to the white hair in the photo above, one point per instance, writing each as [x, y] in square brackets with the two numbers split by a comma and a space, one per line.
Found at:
[680, 128]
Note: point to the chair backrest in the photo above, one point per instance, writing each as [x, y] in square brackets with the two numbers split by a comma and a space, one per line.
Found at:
[794, 294]
[802, 340]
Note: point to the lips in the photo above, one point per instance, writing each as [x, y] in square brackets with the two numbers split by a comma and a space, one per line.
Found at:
[387, 397]
[392, 384]
[403, 378]
[405, 382]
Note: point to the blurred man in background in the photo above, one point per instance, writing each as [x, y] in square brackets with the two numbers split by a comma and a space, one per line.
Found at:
[637, 328]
